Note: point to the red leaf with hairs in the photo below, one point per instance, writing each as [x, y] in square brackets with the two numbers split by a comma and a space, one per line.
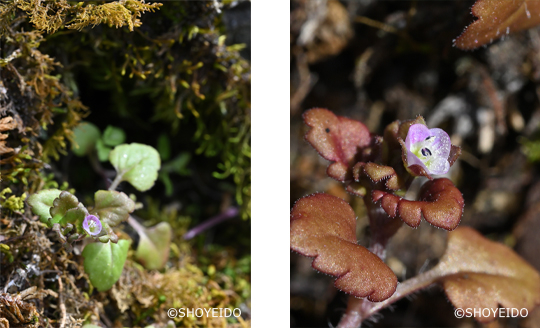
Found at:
[497, 18]
[479, 273]
[324, 227]
[441, 204]
[337, 139]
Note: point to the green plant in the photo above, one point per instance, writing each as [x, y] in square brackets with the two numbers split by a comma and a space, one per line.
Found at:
[72, 220]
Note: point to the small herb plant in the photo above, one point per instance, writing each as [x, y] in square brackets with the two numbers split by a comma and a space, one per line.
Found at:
[72, 220]
[474, 272]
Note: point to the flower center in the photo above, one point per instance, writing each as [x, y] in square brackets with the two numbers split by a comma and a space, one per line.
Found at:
[422, 149]
[92, 226]
[426, 152]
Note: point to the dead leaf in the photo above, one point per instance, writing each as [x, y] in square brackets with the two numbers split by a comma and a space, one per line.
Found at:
[479, 273]
[497, 18]
[337, 139]
[6, 124]
[324, 227]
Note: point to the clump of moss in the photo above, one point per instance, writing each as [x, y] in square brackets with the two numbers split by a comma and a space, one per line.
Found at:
[148, 296]
[13, 203]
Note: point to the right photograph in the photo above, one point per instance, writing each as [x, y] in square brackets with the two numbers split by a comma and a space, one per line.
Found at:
[415, 151]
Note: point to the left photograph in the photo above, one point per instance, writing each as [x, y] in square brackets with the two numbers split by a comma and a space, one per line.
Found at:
[125, 162]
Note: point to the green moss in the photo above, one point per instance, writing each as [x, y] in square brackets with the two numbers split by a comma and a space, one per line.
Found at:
[13, 203]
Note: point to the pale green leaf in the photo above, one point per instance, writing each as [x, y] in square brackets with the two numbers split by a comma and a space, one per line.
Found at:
[136, 163]
[154, 243]
[113, 136]
[104, 263]
[62, 204]
[85, 136]
[42, 202]
[112, 207]
[102, 151]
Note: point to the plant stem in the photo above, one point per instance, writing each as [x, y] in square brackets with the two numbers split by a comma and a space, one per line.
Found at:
[96, 165]
[382, 228]
[136, 225]
[116, 182]
[227, 214]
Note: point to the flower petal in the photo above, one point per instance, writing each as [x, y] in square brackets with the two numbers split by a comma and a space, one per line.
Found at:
[428, 148]
[441, 144]
[417, 133]
[92, 225]
[439, 166]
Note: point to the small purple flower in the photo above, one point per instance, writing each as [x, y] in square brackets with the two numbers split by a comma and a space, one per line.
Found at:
[428, 148]
[92, 225]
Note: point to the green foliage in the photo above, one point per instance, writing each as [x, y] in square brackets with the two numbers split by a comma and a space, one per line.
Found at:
[85, 136]
[62, 204]
[75, 216]
[112, 207]
[42, 202]
[103, 151]
[88, 140]
[61, 210]
[104, 262]
[136, 163]
[113, 136]
[154, 243]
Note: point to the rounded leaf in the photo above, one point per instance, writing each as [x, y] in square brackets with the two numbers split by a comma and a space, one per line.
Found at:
[41, 203]
[85, 136]
[478, 273]
[104, 263]
[113, 136]
[441, 204]
[136, 163]
[102, 151]
[62, 204]
[337, 139]
[112, 207]
[324, 227]
[154, 245]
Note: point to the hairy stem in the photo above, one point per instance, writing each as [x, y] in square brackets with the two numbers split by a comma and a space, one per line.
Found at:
[382, 228]
[406, 288]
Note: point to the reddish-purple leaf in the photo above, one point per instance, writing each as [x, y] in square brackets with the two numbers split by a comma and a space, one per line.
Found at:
[337, 139]
[497, 18]
[441, 204]
[478, 273]
[376, 174]
[324, 227]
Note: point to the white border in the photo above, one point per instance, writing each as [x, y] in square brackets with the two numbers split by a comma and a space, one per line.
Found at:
[270, 191]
